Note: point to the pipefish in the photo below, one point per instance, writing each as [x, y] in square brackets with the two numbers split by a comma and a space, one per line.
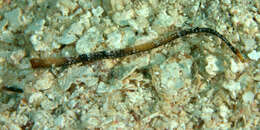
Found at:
[99, 55]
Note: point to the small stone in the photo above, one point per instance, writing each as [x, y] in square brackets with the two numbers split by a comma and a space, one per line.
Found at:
[36, 98]
[236, 67]
[67, 6]
[235, 20]
[250, 44]
[173, 76]
[122, 18]
[250, 25]
[89, 41]
[14, 18]
[97, 11]
[103, 88]
[55, 45]
[48, 105]
[76, 28]
[129, 37]
[212, 67]
[157, 59]
[7, 36]
[45, 81]
[195, 8]
[85, 19]
[173, 124]
[164, 19]
[114, 40]
[37, 43]
[139, 24]
[83, 74]
[17, 56]
[117, 5]
[248, 97]
[42, 117]
[206, 113]
[235, 10]
[145, 11]
[254, 55]
[67, 39]
[224, 111]
[233, 87]
[84, 47]
[72, 103]
[36, 26]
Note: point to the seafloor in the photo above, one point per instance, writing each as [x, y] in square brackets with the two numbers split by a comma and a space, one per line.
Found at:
[195, 82]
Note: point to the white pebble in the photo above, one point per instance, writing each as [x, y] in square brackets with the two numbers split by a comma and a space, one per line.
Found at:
[97, 11]
[102, 88]
[206, 113]
[89, 41]
[67, 39]
[212, 67]
[235, 20]
[116, 4]
[129, 37]
[114, 40]
[173, 124]
[254, 55]
[60, 121]
[36, 98]
[48, 105]
[144, 12]
[122, 18]
[45, 81]
[233, 87]
[37, 42]
[139, 24]
[224, 111]
[250, 44]
[172, 76]
[248, 97]
[237, 67]
[76, 28]
[84, 19]
[66, 6]
[164, 19]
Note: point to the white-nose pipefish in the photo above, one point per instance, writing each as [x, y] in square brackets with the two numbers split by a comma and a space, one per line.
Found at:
[65, 61]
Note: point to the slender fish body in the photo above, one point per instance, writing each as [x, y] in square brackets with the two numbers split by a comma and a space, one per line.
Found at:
[65, 61]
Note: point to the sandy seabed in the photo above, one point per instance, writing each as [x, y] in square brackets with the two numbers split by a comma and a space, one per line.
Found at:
[195, 82]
